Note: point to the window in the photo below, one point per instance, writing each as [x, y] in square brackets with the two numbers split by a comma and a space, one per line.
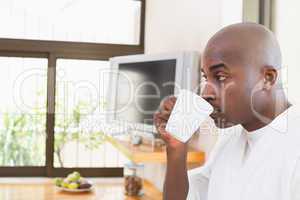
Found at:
[80, 110]
[23, 111]
[104, 21]
[50, 52]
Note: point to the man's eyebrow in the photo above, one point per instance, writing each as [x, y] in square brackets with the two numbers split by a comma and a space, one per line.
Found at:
[214, 67]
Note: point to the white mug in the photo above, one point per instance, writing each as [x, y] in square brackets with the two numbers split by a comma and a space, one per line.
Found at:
[189, 111]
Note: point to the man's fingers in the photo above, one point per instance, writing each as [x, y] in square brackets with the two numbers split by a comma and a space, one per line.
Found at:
[163, 133]
[162, 116]
[168, 106]
[165, 113]
[172, 98]
[159, 122]
[165, 116]
[169, 103]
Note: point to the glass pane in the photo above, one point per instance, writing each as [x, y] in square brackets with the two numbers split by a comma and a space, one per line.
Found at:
[81, 87]
[101, 21]
[23, 83]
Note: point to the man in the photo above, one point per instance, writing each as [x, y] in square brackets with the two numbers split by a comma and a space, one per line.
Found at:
[261, 161]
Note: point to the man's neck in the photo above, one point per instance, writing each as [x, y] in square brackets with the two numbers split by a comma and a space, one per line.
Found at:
[267, 116]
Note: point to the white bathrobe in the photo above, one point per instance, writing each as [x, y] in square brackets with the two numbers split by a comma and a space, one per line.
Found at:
[261, 165]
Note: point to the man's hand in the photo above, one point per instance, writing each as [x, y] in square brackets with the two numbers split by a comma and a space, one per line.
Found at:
[161, 118]
[176, 155]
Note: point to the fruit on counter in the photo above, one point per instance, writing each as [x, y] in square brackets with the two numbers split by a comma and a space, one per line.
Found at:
[73, 181]
[64, 184]
[82, 180]
[73, 186]
[58, 181]
[73, 177]
[85, 186]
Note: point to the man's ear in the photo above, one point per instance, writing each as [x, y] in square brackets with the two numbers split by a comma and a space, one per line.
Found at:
[270, 77]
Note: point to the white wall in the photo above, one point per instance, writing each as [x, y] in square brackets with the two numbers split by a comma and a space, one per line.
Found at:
[231, 11]
[174, 25]
[287, 30]
[187, 25]
[180, 25]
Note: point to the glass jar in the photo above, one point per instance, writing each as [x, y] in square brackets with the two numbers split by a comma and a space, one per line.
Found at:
[133, 179]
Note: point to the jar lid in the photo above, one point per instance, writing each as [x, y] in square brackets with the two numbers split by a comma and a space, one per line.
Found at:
[132, 165]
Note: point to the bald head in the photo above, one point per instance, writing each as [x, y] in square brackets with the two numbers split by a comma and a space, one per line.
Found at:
[241, 65]
[250, 44]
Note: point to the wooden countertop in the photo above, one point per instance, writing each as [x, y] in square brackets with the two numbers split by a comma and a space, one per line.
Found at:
[147, 154]
[105, 189]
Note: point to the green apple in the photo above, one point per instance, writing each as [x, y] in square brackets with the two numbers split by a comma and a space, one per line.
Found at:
[58, 181]
[73, 177]
[76, 175]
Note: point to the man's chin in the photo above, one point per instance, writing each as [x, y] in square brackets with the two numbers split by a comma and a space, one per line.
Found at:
[222, 123]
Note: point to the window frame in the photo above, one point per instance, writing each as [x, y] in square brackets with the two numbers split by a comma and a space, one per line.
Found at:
[53, 50]
[262, 12]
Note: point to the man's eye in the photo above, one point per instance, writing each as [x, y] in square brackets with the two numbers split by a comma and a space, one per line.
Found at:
[221, 78]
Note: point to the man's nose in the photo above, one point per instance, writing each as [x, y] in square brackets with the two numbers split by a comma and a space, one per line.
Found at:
[208, 93]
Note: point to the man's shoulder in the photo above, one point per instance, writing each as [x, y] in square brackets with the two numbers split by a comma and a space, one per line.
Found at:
[287, 126]
[290, 136]
[293, 123]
